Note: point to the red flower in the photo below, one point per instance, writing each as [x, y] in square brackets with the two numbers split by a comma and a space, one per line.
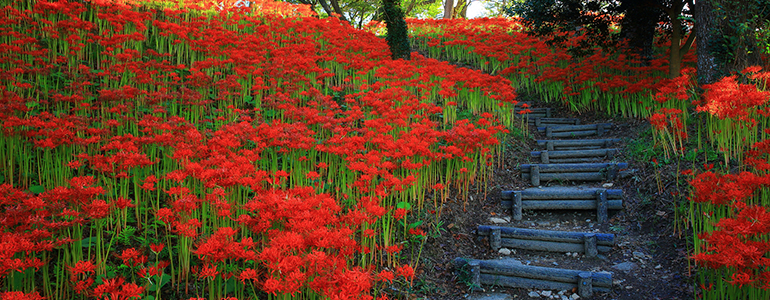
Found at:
[406, 271]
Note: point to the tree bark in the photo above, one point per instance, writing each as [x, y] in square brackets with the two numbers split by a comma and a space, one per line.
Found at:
[638, 27]
[709, 71]
[449, 6]
[675, 57]
[336, 6]
[326, 7]
[398, 39]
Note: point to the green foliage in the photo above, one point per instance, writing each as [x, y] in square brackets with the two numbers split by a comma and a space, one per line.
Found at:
[555, 19]
[741, 35]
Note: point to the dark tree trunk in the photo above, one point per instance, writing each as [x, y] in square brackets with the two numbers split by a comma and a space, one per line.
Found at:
[398, 40]
[709, 69]
[336, 6]
[638, 27]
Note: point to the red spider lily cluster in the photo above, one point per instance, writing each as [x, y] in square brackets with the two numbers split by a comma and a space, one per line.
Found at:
[207, 150]
[738, 111]
[616, 83]
[731, 219]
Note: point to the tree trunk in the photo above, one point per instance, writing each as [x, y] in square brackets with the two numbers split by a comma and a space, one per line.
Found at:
[326, 7]
[449, 6]
[398, 40]
[674, 58]
[336, 6]
[638, 28]
[709, 71]
[461, 9]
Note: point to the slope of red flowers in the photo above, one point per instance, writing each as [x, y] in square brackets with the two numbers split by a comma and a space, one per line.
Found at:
[244, 151]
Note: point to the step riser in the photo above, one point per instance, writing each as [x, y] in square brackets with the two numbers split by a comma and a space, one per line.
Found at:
[517, 275]
[526, 283]
[563, 193]
[547, 240]
[551, 168]
[575, 153]
[548, 157]
[564, 204]
[558, 145]
[549, 246]
[599, 202]
[605, 239]
[565, 128]
[573, 134]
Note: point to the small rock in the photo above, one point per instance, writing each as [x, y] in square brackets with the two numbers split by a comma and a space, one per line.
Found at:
[658, 267]
[569, 254]
[607, 185]
[575, 254]
[533, 294]
[575, 296]
[660, 213]
[629, 287]
[504, 251]
[625, 267]
[555, 263]
[639, 254]
[563, 298]
[588, 220]
[546, 293]
[497, 220]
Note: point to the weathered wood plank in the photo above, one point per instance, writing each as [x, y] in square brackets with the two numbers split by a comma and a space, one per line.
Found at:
[534, 272]
[605, 239]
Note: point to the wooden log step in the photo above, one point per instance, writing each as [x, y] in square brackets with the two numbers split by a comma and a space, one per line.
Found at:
[569, 168]
[570, 193]
[557, 145]
[548, 157]
[601, 200]
[535, 173]
[552, 121]
[541, 112]
[563, 128]
[511, 273]
[569, 204]
[555, 131]
[574, 160]
[590, 244]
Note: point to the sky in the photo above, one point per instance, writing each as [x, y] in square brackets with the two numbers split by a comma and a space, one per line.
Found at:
[476, 10]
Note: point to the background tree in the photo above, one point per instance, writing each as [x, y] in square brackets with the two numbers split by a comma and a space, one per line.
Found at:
[729, 36]
[552, 18]
[456, 9]
[595, 18]
[397, 37]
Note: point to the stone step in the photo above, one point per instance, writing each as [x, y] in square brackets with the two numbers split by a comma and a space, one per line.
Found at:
[547, 240]
[574, 156]
[573, 198]
[512, 273]
[558, 145]
[557, 131]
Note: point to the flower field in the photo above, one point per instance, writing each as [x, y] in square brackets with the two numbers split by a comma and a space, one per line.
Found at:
[151, 151]
[727, 210]
[186, 150]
